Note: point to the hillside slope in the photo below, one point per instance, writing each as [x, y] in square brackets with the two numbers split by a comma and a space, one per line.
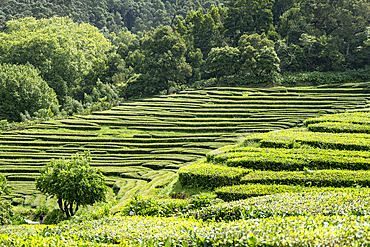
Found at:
[141, 144]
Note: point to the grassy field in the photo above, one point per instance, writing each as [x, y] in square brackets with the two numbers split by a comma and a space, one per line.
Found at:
[140, 145]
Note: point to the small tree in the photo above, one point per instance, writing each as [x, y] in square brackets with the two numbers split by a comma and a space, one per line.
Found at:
[5, 208]
[73, 182]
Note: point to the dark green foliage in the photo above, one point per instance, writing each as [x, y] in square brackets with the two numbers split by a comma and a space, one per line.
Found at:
[223, 61]
[23, 90]
[247, 17]
[326, 38]
[73, 182]
[210, 176]
[63, 51]
[108, 16]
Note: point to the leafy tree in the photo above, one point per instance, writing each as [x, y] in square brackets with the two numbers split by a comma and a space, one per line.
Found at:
[61, 49]
[5, 207]
[330, 33]
[250, 47]
[204, 29]
[22, 89]
[73, 182]
[248, 17]
[163, 59]
[267, 61]
[222, 61]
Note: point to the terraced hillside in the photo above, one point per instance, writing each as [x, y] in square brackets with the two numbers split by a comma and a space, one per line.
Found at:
[295, 196]
[332, 151]
[140, 145]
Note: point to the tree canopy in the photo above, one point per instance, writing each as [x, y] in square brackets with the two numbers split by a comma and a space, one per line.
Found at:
[159, 44]
[22, 89]
[162, 55]
[59, 48]
[73, 182]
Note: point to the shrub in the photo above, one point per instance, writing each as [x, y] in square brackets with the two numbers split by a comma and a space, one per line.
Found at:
[334, 178]
[243, 191]
[318, 201]
[210, 176]
[339, 127]
[145, 206]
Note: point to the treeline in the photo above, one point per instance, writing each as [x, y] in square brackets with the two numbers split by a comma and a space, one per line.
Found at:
[107, 15]
[236, 42]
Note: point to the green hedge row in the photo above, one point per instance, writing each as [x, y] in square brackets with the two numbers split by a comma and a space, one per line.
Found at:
[187, 129]
[277, 159]
[69, 127]
[320, 201]
[20, 178]
[292, 138]
[210, 176]
[244, 191]
[358, 117]
[77, 122]
[321, 178]
[158, 231]
[339, 127]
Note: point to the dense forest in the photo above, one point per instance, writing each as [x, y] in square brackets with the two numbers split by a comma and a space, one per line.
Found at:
[88, 55]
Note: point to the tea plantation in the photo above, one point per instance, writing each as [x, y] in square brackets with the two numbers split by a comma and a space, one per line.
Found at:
[297, 176]
[140, 145]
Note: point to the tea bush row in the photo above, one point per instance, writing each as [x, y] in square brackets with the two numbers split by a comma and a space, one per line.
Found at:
[339, 127]
[152, 231]
[320, 178]
[291, 138]
[277, 159]
[244, 191]
[315, 201]
[359, 117]
[210, 176]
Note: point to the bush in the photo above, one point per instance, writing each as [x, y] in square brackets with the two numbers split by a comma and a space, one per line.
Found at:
[210, 176]
[290, 158]
[319, 201]
[334, 178]
[55, 216]
[244, 191]
[144, 206]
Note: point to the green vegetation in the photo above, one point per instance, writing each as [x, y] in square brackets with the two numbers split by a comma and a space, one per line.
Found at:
[115, 50]
[211, 176]
[72, 182]
[319, 178]
[6, 211]
[320, 201]
[22, 90]
[243, 191]
[291, 181]
[147, 231]
[140, 145]
[63, 51]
